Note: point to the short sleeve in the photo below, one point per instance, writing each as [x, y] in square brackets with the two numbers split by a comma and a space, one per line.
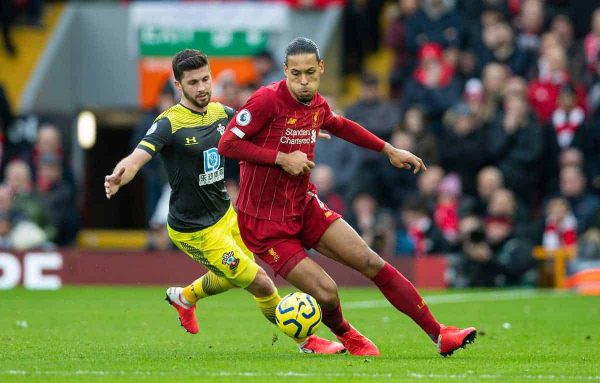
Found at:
[156, 137]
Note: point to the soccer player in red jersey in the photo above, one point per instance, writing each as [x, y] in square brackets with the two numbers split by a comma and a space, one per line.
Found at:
[279, 213]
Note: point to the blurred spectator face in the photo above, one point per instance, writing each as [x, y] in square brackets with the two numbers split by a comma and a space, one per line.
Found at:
[408, 7]
[515, 87]
[563, 28]
[165, 101]
[434, 4]
[558, 209]
[567, 99]
[6, 197]
[494, 78]
[549, 40]
[490, 17]
[452, 56]
[414, 120]
[596, 22]
[502, 203]
[364, 207]
[403, 140]
[464, 124]
[489, 179]
[467, 62]
[5, 224]
[497, 229]
[556, 58]
[504, 34]
[415, 217]
[467, 225]
[571, 157]
[322, 177]
[517, 108]
[532, 16]
[48, 139]
[50, 170]
[429, 180]
[264, 64]
[572, 182]
[370, 88]
[229, 93]
[18, 176]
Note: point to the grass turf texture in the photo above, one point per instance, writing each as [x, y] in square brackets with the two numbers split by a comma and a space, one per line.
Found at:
[132, 335]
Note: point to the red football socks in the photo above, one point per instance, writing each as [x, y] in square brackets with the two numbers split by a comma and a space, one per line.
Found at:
[334, 319]
[401, 293]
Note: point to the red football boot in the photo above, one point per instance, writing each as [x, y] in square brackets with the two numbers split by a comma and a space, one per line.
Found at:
[358, 344]
[187, 315]
[316, 345]
[451, 338]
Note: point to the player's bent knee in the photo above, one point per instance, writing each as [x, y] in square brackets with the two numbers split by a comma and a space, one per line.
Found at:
[262, 285]
[373, 264]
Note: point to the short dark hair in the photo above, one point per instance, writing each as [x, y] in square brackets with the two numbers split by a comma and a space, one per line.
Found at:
[188, 59]
[301, 45]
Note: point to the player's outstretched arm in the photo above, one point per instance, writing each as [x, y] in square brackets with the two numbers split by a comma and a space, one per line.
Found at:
[403, 159]
[124, 172]
[355, 133]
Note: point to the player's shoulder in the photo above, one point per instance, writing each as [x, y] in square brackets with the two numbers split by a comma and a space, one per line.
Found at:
[172, 114]
[218, 110]
[271, 91]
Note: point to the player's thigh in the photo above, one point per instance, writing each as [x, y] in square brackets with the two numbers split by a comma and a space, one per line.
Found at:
[216, 249]
[342, 243]
[309, 277]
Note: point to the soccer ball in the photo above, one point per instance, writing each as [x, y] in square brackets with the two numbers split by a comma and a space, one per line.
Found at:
[298, 315]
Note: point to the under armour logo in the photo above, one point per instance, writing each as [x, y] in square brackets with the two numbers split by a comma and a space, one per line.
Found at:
[191, 141]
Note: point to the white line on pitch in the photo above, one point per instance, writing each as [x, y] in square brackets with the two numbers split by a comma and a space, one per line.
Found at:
[288, 374]
[487, 296]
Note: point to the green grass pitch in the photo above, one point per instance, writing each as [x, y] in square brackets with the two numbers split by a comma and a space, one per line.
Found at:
[124, 334]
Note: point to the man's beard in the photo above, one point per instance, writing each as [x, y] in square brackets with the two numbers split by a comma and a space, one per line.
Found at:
[193, 101]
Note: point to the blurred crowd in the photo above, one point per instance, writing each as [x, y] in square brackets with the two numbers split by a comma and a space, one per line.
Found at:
[37, 190]
[502, 101]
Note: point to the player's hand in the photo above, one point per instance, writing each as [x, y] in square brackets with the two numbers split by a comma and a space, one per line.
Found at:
[113, 182]
[323, 135]
[403, 159]
[295, 163]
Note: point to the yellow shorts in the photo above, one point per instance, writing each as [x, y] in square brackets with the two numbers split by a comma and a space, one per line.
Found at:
[220, 249]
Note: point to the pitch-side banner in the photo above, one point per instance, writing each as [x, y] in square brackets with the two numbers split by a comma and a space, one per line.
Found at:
[50, 270]
[229, 33]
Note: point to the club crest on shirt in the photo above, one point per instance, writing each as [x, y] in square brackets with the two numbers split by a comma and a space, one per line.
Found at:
[221, 128]
[243, 118]
[230, 260]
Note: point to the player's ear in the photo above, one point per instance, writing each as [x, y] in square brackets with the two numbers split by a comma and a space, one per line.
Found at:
[177, 84]
[321, 66]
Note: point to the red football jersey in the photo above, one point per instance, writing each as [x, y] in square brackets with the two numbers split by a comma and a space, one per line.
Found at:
[273, 119]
